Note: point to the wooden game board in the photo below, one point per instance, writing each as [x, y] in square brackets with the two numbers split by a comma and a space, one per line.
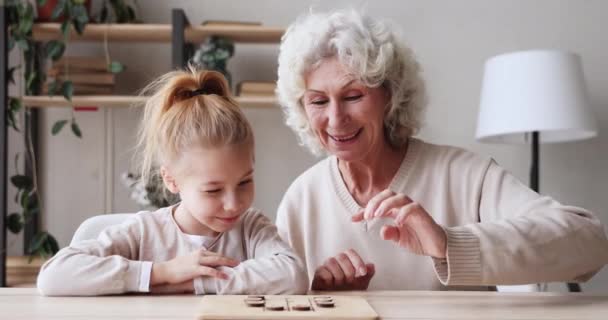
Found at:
[234, 307]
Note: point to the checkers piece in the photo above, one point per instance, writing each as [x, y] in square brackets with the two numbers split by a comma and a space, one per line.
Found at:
[325, 303]
[300, 307]
[275, 307]
[254, 302]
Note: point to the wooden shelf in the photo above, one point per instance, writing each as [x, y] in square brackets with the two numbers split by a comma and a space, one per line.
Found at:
[128, 101]
[159, 33]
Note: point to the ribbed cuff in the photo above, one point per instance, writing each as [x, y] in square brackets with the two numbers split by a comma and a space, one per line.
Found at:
[462, 265]
[198, 286]
[132, 277]
[145, 275]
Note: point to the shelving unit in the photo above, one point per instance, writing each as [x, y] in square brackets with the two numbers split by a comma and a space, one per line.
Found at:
[181, 36]
[127, 101]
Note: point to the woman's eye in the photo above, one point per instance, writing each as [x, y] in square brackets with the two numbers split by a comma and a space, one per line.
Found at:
[213, 191]
[353, 97]
[318, 102]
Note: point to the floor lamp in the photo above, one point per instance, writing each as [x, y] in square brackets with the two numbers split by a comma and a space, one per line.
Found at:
[534, 97]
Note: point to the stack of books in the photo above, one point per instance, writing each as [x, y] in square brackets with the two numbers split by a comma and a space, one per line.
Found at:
[256, 88]
[89, 75]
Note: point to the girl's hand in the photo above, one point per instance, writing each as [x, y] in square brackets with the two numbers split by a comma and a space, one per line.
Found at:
[184, 268]
[414, 228]
[346, 271]
[184, 287]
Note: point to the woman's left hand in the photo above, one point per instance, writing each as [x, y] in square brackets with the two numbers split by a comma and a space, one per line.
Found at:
[414, 228]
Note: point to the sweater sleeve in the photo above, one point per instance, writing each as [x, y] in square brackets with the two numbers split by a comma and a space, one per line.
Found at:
[272, 267]
[106, 265]
[522, 237]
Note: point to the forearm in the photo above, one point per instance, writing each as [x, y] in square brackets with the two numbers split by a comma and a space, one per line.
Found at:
[548, 244]
[278, 274]
[72, 272]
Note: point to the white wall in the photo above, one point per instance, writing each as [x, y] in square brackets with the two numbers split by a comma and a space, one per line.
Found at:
[452, 39]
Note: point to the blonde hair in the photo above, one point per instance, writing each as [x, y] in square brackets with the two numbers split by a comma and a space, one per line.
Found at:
[186, 109]
[372, 51]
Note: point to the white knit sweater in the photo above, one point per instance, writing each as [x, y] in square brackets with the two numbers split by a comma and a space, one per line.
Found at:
[120, 259]
[499, 231]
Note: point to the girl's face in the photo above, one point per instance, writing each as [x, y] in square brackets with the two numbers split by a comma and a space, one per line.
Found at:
[346, 116]
[216, 187]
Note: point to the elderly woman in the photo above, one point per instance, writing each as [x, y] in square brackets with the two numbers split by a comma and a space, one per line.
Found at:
[388, 211]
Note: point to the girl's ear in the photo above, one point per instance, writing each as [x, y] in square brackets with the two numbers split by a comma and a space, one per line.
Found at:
[169, 180]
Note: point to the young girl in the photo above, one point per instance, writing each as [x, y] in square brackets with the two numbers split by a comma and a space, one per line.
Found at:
[209, 243]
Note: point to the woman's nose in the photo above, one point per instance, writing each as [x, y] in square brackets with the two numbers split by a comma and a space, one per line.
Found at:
[336, 114]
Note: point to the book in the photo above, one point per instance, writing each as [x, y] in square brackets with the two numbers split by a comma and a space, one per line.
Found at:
[85, 63]
[257, 88]
[85, 89]
[103, 78]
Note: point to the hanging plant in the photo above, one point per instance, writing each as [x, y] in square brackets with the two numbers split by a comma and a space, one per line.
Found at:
[20, 18]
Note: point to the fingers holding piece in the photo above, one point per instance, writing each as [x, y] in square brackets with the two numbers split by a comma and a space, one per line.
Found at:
[357, 262]
[347, 267]
[336, 271]
[373, 204]
[391, 204]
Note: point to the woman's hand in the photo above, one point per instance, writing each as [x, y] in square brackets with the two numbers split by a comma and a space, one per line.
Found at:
[414, 228]
[346, 271]
[185, 268]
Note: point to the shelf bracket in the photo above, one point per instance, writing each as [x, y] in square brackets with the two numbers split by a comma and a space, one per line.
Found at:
[181, 50]
[3, 140]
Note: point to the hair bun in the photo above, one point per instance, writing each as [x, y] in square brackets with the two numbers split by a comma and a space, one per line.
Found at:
[212, 82]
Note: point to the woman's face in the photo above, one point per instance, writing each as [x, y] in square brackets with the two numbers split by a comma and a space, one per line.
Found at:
[346, 116]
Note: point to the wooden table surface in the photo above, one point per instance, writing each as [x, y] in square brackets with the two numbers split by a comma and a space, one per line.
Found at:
[26, 303]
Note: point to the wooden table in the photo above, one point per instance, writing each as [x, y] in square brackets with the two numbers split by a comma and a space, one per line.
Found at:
[25, 303]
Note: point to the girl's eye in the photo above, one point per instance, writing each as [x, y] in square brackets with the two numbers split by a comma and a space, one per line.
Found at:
[213, 191]
[353, 97]
[245, 182]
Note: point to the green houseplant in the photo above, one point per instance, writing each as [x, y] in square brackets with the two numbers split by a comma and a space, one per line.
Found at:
[21, 18]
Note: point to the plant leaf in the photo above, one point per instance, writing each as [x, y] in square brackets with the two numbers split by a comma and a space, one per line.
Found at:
[37, 241]
[22, 182]
[59, 8]
[14, 104]
[65, 29]
[116, 67]
[10, 74]
[11, 43]
[67, 90]
[23, 44]
[130, 14]
[103, 15]
[14, 223]
[58, 126]
[54, 49]
[53, 87]
[50, 244]
[76, 129]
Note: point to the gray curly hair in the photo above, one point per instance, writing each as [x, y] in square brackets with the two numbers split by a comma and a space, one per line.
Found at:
[370, 50]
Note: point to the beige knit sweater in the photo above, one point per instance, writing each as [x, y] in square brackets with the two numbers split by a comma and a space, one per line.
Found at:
[499, 231]
[120, 259]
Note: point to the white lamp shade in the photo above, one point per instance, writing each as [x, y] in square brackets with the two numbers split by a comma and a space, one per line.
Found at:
[534, 91]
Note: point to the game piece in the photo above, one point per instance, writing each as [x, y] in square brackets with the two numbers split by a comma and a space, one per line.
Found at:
[284, 307]
[275, 307]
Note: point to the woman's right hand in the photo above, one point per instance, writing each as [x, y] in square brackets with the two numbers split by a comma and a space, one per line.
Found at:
[184, 268]
[345, 271]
